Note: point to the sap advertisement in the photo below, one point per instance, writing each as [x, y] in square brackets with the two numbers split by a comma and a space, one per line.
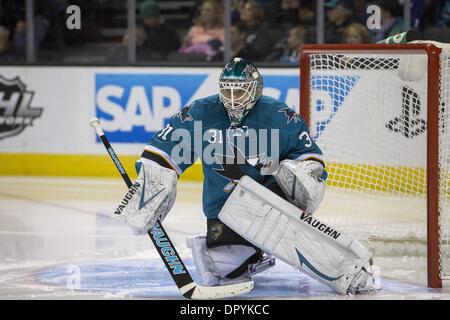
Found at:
[132, 107]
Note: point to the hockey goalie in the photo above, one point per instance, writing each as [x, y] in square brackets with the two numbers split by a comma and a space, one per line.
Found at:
[264, 178]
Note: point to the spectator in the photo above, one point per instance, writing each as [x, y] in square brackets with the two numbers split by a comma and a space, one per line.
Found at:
[12, 17]
[155, 38]
[361, 14]
[141, 37]
[18, 26]
[444, 16]
[41, 26]
[288, 15]
[340, 15]
[207, 34]
[236, 6]
[306, 12]
[258, 42]
[417, 12]
[356, 33]
[237, 43]
[431, 13]
[391, 22]
[10, 13]
[297, 38]
[54, 12]
[6, 54]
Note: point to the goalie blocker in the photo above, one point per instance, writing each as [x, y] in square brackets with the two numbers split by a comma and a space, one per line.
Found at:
[302, 241]
[149, 199]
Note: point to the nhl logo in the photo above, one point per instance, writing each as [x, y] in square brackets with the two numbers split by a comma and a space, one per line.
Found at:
[16, 112]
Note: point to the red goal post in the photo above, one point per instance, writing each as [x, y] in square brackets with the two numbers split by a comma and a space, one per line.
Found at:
[310, 57]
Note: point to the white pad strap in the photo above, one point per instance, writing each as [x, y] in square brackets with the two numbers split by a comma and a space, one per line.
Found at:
[280, 228]
[150, 198]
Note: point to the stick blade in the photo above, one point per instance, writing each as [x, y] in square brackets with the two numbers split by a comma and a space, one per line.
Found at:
[221, 292]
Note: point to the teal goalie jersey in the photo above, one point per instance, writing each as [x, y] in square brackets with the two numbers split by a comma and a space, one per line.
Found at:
[270, 133]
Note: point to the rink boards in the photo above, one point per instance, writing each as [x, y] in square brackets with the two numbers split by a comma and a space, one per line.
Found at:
[135, 103]
[132, 103]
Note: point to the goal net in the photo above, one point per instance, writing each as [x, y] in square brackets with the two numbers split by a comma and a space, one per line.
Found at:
[380, 114]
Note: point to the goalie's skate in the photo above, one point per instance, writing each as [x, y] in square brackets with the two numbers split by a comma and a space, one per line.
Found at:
[365, 281]
[266, 262]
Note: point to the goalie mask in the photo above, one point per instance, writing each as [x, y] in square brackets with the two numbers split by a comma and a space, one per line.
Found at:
[240, 87]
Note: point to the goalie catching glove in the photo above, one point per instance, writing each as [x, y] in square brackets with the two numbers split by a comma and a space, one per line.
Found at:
[303, 183]
[149, 199]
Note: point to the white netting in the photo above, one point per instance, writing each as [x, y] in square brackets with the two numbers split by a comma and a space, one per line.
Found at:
[371, 126]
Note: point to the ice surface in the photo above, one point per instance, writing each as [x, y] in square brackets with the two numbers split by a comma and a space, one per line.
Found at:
[53, 228]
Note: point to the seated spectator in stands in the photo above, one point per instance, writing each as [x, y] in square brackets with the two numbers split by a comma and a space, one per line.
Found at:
[236, 6]
[306, 12]
[141, 36]
[444, 16]
[340, 14]
[298, 37]
[155, 38]
[237, 43]
[6, 54]
[206, 36]
[391, 21]
[417, 12]
[356, 33]
[295, 12]
[288, 14]
[41, 27]
[12, 17]
[55, 14]
[258, 42]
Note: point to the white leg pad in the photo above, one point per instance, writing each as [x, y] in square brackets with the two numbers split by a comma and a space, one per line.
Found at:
[213, 264]
[202, 261]
[302, 241]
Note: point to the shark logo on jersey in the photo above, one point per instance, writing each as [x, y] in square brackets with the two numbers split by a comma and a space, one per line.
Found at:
[234, 167]
[290, 114]
[184, 114]
[328, 93]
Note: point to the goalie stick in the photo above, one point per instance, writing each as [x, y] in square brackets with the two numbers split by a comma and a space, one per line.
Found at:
[189, 289]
